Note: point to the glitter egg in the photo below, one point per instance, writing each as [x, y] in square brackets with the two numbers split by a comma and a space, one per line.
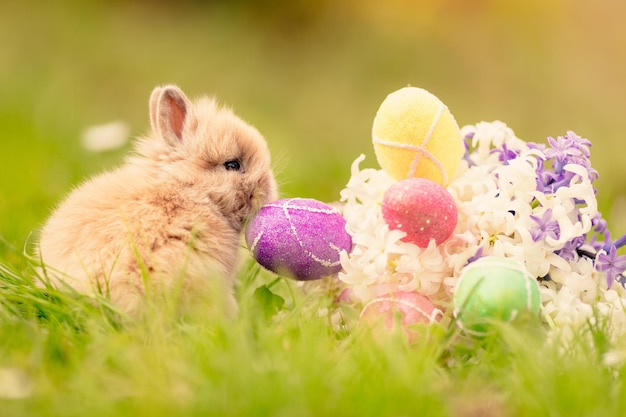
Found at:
[421, 208]
[298, 238]
[410, 308]
[494, 288]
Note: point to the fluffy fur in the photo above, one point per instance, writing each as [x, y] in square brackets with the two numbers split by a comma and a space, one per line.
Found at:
[170, 218]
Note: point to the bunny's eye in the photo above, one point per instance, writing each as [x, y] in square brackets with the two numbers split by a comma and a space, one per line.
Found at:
[232, 165]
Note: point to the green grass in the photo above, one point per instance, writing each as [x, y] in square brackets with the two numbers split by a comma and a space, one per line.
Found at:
[311, 79]
[80, 357]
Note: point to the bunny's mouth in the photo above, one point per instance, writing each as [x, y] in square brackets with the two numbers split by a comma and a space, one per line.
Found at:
[242, 212]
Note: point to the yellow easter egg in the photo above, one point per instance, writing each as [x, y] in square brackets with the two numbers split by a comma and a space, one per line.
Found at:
[415, 135]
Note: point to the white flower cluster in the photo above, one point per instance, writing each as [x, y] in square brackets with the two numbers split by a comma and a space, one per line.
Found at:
[502, 212]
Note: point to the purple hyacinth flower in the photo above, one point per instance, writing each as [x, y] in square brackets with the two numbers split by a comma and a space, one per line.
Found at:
[561, 149]
[599, 224]
[569, 249]
[546, 227]
[580, 143]
[611, 264]
[505, 154]
[477, 255]
[620, 242]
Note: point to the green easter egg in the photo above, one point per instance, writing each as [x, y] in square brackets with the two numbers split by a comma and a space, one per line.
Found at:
[494, 288]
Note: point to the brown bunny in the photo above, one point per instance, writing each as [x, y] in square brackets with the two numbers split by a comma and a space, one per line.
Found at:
[170, 218]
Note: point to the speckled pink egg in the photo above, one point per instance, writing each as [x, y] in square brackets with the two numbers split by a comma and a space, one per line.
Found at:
[421, 208]
[299, 238]
[412, 308]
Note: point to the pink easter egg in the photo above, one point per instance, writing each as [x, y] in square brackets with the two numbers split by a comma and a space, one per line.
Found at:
[412, 307]
[421, 208]
[300, 238]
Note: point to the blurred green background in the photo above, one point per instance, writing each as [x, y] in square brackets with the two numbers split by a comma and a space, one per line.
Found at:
[310, 75]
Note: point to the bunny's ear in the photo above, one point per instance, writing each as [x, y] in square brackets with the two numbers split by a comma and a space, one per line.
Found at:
[168, 110]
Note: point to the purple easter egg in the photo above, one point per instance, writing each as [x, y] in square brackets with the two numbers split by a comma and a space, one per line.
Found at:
[300, 238]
